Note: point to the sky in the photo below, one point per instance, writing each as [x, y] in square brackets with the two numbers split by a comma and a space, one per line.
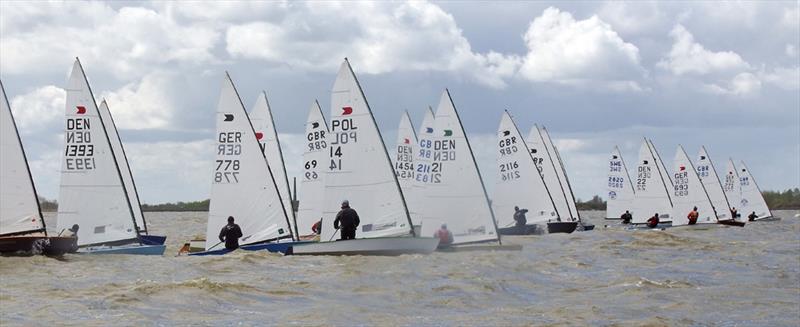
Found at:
[597, 74]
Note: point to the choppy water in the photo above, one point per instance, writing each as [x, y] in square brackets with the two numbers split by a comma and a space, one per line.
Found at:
[725, 276]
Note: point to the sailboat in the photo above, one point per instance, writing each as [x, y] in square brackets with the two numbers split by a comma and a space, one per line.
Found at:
[733, 189]
[652, 193]
[752, 200]
[267, 136]
[708, 174]
[689, 192]
[664, 173]
[404, 162]
[22, 227]
[566, 190]
[315, 157]
[243, 185]
[619, 185]
[127, 177]
[423, 157]
[93, 194]
[521, 180]
[359, 170]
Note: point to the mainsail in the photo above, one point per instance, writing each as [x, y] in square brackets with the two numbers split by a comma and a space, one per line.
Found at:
[552, 204]
[92, 194]
[620, 186]
[267, 136]
[732, 187]
[122, 163]
[651, 194]
[689, 192]
[456, 195]
[519, 182]
[315, 161]
[242, 182]
[707, 173]
[19, 207]
[404, 161]
[571, 214]
[358, 166]
[752, 199]
[662, 167]
[423, 157]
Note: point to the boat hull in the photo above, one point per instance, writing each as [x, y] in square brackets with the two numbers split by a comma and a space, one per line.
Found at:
[33, 245]
[731, 222]
[136, 249]
[271, 247]
[480, 247]
[384, 246]
[562, 227]
[522, 230]
[586, 227]
[152, 239]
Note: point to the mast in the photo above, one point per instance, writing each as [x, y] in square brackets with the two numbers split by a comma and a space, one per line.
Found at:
[552, 164]
[660, 174]
[27, 167]
[711, 163]
[296, 234]
[125, 157]
[566, 178]
[386, 153]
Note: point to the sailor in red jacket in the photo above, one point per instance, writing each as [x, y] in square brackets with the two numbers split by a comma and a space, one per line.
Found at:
[653, 221]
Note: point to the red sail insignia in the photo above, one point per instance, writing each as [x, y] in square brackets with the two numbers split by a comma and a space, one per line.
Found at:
[81, 110]
[347, 110]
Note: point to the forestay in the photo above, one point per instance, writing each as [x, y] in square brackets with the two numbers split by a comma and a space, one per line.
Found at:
[732, 187]
[752, 199]
[518, 181]
[708, 174]
[456, 195]
[552, 204]
[571, 214]
[689, 192]
[359, 169]
[92, 194]
[19, 208]
[651, 193]
[404, 161]
[315, 160]
[267, 136]
[620, 186]
[423, 175]
[122, 163]
[242, 183]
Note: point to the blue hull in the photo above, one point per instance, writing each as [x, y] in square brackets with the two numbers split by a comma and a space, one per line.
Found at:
[135, 249]
[152, 239]
[271, 247]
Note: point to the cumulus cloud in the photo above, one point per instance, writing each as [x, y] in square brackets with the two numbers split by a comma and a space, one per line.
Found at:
[39, 110]
[783, 77]
[743, 84]
[564, 50]
[380, 37]
[142, 105]
[689, 57]
[791, 51]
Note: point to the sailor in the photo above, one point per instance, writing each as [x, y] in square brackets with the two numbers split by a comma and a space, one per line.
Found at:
[348, 219]
[185, 249]
[653, 221]
[519, 216]
[71, 232]
[693, 215]
[752, 216]
[626, 217]
[230, 234]
[734, 213]
[444, 235]
[316, 228]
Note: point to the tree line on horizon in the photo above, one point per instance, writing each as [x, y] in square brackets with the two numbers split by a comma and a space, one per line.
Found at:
[776, 200]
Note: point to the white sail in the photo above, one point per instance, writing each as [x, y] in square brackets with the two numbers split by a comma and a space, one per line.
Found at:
[423, 157]
[456, 195]
[124, 168]
[19, 207]
[519, 182]
[662, 166]
[404, 161]
[752, 199]
[92, 194]
[733, 188]
[242, 183]
[711, 181]
[267, 136]
[651, 193]
[563, 181]
[689, 192]
[620, 186]
[315, 161]
[358, 166]
[552, 205]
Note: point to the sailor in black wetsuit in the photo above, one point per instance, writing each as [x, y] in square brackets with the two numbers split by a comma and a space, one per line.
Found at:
[230, 234]
[520, 219]
[348, 220]
[626, 217]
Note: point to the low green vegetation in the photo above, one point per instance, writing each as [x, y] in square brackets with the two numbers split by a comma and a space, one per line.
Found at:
[786, 200]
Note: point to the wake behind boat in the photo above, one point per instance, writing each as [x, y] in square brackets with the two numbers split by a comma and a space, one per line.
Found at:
[368, 246]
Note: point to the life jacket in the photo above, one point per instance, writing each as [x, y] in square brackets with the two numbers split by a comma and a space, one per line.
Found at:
[692, 217]
[443, 235]
[652, 222]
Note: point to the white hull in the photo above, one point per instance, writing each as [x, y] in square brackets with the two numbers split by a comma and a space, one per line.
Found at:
[369, 246]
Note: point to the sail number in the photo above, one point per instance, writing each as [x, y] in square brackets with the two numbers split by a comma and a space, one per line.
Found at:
[508, 146]
[344, 131]
[404, 166]
[509, 171]
[316, 141]
[642, 175]
[227, 170]
[730, 183]
[615, 166]
[702, 170]
[681, 181]
[79, 150]
[616, 182]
